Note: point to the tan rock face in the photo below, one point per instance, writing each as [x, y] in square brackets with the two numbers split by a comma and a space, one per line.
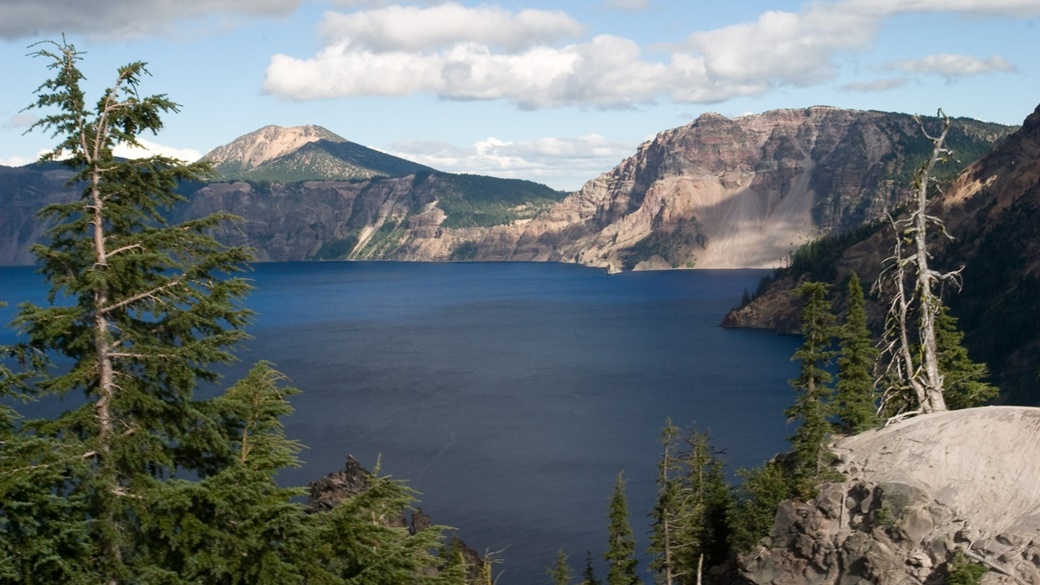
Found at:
[722, 193]
[915, 492]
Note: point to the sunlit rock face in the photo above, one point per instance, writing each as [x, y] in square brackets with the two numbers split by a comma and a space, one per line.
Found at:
[916, 493]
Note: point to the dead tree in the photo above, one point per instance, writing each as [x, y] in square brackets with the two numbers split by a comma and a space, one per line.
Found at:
[908, 268]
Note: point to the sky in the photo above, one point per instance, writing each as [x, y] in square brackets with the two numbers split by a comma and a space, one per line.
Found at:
[554, 92]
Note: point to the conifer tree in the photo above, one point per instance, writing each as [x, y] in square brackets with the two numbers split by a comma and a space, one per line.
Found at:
[560, 572]
[621, 547]
[588, 576]
[689, 529]
[810, 455]
[152, 306]
[964, 383]
[856, 390]
[101, 494]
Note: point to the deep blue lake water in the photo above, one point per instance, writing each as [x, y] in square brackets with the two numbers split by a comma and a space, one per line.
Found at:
[510, 394]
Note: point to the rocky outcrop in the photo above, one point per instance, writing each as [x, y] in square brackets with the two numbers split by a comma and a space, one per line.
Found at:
[736, 193]
[916, 493]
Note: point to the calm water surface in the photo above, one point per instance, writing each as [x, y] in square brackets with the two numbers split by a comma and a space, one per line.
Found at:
[511, 394]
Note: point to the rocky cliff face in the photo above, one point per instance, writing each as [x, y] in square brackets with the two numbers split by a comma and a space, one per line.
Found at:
[916, 493]
[716, 193]
[992, 210]
[742, 193]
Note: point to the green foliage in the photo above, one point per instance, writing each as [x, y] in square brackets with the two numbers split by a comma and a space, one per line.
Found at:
[754, 507]
[811, 457]
[463, 251]
[100, 493]
[963, 379]
[477, 201]
[621, 547]
[962, 571]
[337, 249]
[690, 529]
[856, 390]
[588, 576]
[560, 572]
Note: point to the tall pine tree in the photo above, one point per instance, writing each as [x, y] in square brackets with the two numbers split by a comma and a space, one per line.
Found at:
[856, 391]
[810, 456]
[621, 547]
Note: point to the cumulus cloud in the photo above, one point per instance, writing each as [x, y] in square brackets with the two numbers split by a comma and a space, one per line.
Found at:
[123, 19]
[562, 163]
[954, 66]
[149, 148]
[15, 161]
[538, 59]
[408, 28]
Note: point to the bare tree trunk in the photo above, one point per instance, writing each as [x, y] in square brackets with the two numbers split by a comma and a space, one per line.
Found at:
[924, 378]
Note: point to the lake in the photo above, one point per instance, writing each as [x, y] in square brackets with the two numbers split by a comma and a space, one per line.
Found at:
[511, 394]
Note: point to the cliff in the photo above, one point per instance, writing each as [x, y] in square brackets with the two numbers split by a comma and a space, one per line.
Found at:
[915, 493]
[715, 193]
[991, 209]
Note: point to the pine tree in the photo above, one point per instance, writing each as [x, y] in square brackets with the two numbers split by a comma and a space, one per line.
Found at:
[689, 529]
[753, 512]
[810, 455]
[152, 307]
[856, 390]
[621, 548]
[100, 494]
[560, 572]
[963, 379]
[588, 576]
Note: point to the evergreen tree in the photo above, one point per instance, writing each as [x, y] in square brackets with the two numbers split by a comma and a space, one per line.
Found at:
[753, 512]
[810, 455]
[964, 383]
[856, 390]
[99, 495]
[690, 529]
[588, 576]
[151, 308]
[560, 572]
[621, 548]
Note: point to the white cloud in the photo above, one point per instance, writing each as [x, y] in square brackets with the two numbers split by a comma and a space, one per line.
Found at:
[562, 163]
[123, 19]
[408, 28]
[531, 58]
[151, 149]
[16, 161]
[953, 66]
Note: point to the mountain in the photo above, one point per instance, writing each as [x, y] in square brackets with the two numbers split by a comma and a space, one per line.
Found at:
[992, 210]
[715, 193]
[914, 495]
[739, 193]
[303, 153]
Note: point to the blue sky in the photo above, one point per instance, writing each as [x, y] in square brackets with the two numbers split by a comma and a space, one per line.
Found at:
[556, 92]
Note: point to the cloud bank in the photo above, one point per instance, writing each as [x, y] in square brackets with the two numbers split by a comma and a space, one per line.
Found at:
[538, 59]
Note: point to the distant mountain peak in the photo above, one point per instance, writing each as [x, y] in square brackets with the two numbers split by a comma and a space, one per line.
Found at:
[267, 144]
[299, 153]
